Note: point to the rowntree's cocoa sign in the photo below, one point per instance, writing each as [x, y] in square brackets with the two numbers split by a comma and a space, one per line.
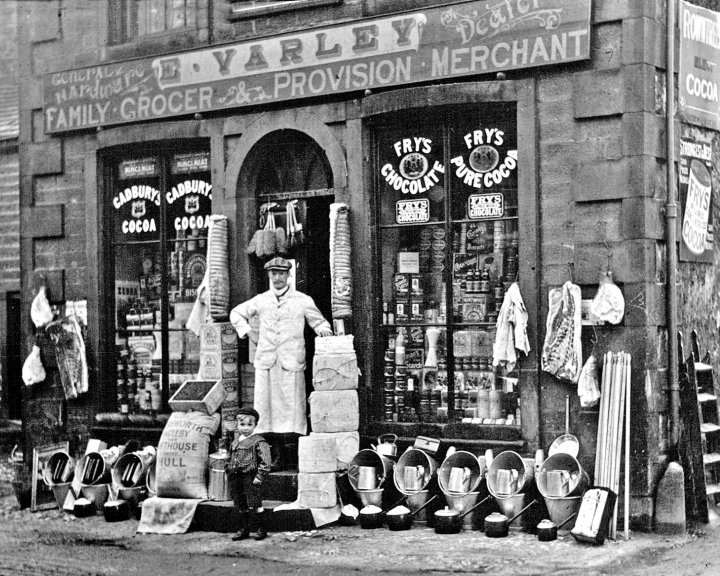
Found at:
[464, 39]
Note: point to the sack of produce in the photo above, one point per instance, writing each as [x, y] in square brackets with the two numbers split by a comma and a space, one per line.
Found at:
[181, 464]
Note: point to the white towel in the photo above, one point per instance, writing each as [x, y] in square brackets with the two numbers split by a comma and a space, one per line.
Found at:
[511, 329]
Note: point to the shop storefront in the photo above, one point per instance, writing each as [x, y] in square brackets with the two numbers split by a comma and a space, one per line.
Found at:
[474, 150]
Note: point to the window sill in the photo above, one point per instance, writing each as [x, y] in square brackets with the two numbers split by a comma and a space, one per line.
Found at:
[243, 12]
[453, 433]
[142, 421]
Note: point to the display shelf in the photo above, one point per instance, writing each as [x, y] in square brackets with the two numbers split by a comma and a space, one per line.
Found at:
[135, 242]
[457, 431]
[437, 324]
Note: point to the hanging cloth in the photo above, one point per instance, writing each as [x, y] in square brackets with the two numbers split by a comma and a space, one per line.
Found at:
[511, 329]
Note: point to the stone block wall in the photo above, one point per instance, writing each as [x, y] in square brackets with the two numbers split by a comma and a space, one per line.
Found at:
[602, 192]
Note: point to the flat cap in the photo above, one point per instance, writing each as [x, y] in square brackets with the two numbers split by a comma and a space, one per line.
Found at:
[278, 264]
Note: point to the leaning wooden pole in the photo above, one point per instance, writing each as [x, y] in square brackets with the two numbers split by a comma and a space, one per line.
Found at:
[628, 396]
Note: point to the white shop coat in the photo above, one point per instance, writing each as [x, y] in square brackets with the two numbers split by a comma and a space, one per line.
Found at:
[282, 323]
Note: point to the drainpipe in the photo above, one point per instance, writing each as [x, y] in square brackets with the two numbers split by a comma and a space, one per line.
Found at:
[671, 231]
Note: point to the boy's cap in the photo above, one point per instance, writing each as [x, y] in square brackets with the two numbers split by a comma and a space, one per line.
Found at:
[248, 412]
[278, 264]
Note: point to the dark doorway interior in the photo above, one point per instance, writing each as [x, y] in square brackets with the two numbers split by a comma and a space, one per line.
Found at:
[317, 269]
[13, 384]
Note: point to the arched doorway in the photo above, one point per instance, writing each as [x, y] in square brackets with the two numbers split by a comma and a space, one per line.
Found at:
[288, 167]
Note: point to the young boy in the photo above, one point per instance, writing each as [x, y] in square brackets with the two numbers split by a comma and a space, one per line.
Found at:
[248, 466]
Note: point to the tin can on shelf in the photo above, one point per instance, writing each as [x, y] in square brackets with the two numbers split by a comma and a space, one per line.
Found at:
[401, 285]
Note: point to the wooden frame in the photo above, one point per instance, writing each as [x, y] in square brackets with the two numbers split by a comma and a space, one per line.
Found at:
[41, 496]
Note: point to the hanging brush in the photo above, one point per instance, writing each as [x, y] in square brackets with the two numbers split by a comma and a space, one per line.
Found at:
[290, 225]
[298, 227]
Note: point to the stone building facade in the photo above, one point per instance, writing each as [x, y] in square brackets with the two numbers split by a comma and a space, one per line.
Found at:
[587, 128]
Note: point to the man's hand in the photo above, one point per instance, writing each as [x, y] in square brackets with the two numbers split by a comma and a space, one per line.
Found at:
[324, 333]
[256, 482]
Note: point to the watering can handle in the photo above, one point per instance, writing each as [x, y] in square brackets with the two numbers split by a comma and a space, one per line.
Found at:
[399, 502]
[567, 520]
[424, 505]
[476, 505]
[387, 438]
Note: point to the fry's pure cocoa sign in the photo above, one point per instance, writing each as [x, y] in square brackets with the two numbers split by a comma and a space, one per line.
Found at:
[464, 39]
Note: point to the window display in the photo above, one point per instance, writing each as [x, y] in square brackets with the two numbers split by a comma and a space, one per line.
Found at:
[447, 198]
[161, 209]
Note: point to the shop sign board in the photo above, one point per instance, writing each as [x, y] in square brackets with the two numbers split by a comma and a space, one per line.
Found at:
[412, 211]
[190, 162]
[485, 206]
[699, 70]
[696, 174]
[464, 39]
[143, 167]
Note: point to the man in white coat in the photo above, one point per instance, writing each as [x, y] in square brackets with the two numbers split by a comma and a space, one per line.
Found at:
[280, 353]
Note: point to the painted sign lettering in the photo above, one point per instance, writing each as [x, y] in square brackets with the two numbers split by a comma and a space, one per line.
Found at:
[696, 190]
[482, 206]
[434, 44]
[484, 166]
[699, 74]
[412, 211]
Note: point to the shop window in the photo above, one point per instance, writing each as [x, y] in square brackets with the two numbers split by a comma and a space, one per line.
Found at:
[131, 19]
[159, 214]
[447, 207]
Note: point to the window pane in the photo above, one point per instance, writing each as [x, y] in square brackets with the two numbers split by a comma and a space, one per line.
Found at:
[483, 164]
[136, 201]
[153, 299]
[412, 176]
[189, 205]
[178, 16]
[439, 277]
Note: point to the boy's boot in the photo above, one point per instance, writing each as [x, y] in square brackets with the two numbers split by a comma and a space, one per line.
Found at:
[261, 533]
[244, 531]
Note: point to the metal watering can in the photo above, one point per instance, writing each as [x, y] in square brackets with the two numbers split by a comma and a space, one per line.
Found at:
[387, 445]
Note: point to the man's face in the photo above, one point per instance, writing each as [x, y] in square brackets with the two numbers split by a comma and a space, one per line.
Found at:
[278, 278]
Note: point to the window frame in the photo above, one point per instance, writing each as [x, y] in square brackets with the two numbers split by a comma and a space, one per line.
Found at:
[123, 17]
[110, 160]
[374, 110]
